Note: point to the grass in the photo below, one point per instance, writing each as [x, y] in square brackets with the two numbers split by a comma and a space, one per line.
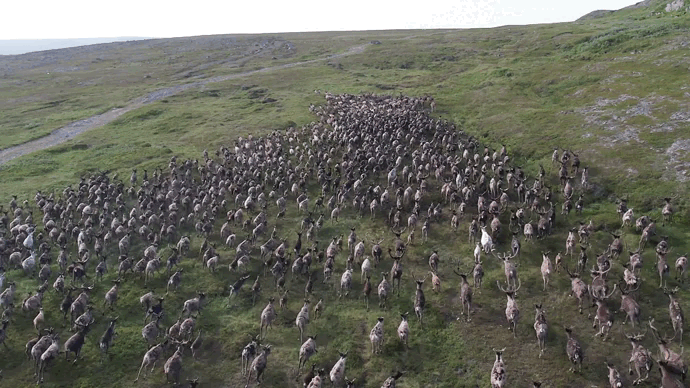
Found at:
[532, 88]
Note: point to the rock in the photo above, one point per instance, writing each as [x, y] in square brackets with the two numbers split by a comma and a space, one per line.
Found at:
[676, 5]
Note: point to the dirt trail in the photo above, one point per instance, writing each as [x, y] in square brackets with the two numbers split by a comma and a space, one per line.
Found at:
[71, 130]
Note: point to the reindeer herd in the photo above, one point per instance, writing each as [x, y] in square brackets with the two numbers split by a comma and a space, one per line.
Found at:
[379, 157]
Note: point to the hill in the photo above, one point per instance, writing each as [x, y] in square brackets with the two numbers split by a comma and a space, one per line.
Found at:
[23, 46]
[612, 90]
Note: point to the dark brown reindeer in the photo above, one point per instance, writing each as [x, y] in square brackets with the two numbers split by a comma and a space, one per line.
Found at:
[668, 380]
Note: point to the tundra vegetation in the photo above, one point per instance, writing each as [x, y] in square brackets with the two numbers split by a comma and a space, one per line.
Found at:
[522, 121]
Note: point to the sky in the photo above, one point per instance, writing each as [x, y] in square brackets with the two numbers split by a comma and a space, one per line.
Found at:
[41, 19]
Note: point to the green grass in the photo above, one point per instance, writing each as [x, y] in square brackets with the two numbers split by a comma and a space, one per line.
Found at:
[532, 88]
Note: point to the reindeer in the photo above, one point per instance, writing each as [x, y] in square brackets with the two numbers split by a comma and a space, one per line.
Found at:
[383, 290]
[667, 211]
[396, 270]
[351, 240]
[509, 268]
[345, 283]
[546, 268]
[616, 246]
[259, 364]
[558, 261]
[173, 366]
[630, 306]
[512, 311]
[662, 269]
[668, 380]
[681, 267]
[465, 294]
[404, 329]
[473, 230]
[629, 277]
[268, 315]
[647, 232]
[377, 252]
[366, 291]
[193, 305]
[498, 370]
[574, 350]
[486, 241]
[302, 320]
[376, 337]
[674, 361]
[603, 317]
[642, 222]
[578, 288]
[419, 299]
[307, 350]
[248, 354]
[515, 245]
[628, 218]
[640, 358]
[541, 327]
[48, 356]
[390, 382]
[311, 374]
[582, 260]
[337, 373]
[615, 380]
[477, 274]
[106, 341]
[435, 282]
[598, 288]
[676, 313]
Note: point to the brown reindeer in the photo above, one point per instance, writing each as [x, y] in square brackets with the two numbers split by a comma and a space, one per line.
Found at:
[541, 328]
[603, 317]
[630, 306]
[546, 268]
[574, 350]
[640, 358]
[578, 288]
[465, 295]
[674, 361]
[512, 310]
[676, 313]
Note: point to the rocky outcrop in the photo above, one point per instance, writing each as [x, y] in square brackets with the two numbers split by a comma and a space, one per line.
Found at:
[676, 5]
